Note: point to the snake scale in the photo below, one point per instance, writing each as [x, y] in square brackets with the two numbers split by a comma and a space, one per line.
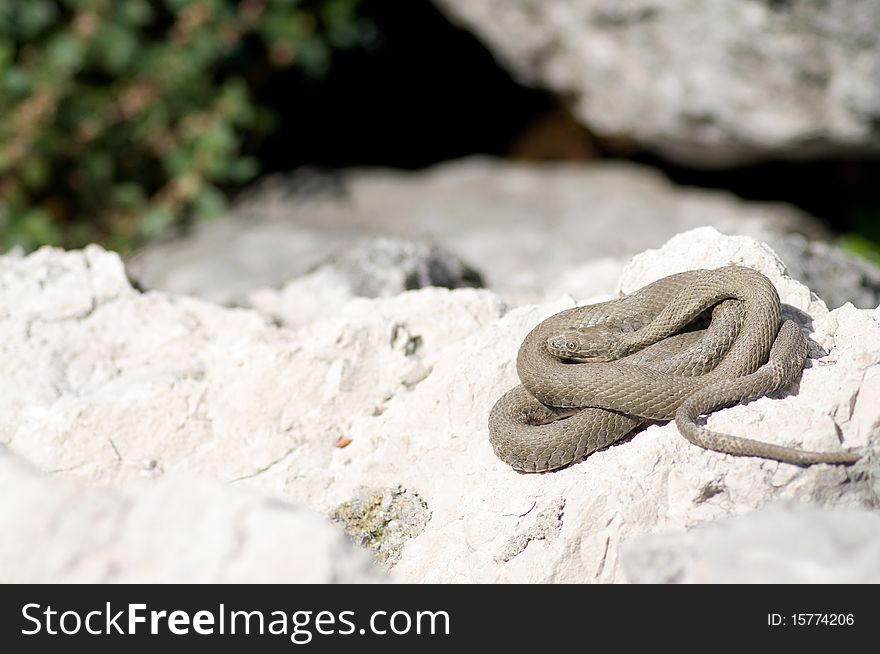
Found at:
[592, 374]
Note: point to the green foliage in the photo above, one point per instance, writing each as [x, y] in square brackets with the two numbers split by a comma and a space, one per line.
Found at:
[120, 118]
[864, 238]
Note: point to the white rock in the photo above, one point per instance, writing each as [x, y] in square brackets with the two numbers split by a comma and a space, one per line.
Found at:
[782, 544]
[133, 388]
[142, 385]
[380, 267]
[706, 247]
[303, 299]
[177, 530]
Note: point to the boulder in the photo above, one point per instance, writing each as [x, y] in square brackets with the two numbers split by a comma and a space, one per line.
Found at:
[835, 275]
[176, 530]
[379, 267]
[521, 226]
[376, 415]
[786, 543]
[703, 83]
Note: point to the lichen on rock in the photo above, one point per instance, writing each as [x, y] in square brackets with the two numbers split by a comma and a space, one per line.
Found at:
[383, 520]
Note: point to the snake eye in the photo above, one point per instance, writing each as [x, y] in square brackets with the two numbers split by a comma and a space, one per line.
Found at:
[571, 345]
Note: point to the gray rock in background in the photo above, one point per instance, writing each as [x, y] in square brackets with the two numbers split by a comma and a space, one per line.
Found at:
[521, 225]
[376, 267]
[837, 276]
[383, 267]
[787, 543]
[524, 227]
[704, 83]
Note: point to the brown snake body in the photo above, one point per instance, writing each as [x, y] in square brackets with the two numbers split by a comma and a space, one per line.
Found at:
[639, 366]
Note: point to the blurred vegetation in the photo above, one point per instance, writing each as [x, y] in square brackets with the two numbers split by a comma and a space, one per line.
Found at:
[121, 118]
[863, 239]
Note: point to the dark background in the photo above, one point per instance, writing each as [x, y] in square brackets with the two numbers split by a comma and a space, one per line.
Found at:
[427, 91]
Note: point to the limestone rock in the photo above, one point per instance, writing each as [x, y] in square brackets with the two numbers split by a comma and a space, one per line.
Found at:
[704, 83]
[781, 544]
[177, 530]
[116, 387]
[380, 267]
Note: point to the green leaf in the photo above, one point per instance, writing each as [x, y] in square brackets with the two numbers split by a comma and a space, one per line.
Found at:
[219, 140]
[64, 52]
[314, 57]
[287, 26]
[35, 228]
[116, 47]
[34, 16]
[209, 203]
[16, 80]
[155, 221]
[177, 6]
[128, 195]
[177, 162]
[241, 170]
[134, 12]
[6, 53]
[98, 166]
[861, 246]
[34, 172]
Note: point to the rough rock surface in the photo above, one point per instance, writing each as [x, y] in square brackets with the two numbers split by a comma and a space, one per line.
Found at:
[836, 276]
[380, 267]
[785, 543]
[177, 530]
[383, 519]
[705, 83]
[113, 386]
[523, 226]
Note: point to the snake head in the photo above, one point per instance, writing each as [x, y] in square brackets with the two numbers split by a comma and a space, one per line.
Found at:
[591, 344]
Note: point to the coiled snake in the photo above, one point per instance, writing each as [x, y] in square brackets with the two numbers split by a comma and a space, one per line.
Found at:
[640, 357]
